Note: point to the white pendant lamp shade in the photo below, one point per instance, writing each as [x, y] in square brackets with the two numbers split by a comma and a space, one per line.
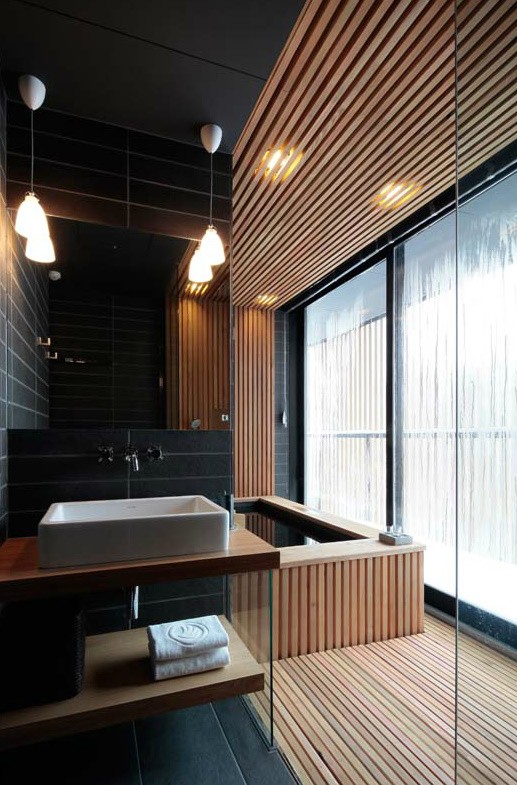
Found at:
[32, 91]
[40, 248]
[211, 136]
[199, 270]
[31, 218]
[212, 247]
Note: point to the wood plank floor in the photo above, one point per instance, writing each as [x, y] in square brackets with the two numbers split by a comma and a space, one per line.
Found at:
[384, 713]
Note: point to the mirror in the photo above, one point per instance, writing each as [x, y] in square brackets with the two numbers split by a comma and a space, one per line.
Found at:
[132, 343]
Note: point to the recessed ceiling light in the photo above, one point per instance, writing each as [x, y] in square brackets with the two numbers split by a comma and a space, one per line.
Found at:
[278, 162]
[266, 299]
[395, 194]
[196, 289]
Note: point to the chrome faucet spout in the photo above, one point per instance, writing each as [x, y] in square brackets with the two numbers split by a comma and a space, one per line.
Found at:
[131, 456]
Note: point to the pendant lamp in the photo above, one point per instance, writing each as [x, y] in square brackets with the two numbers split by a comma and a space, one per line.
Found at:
[31, 221]
[211, 245]
[199, 270]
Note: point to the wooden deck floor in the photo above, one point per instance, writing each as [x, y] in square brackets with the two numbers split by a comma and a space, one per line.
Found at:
[384, 713]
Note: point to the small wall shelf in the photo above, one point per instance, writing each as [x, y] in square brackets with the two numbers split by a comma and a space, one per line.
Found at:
[118, 688]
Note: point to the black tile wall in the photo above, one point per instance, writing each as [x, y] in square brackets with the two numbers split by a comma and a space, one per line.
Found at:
[281, 393]
[23, 317]
[47, 466]
[91, 171]
[110, 351]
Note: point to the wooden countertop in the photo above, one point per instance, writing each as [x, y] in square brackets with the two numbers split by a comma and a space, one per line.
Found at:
[363, 540]
[21, 578]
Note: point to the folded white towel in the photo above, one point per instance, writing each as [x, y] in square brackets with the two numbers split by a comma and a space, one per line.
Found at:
[169, 669]
[187, 638]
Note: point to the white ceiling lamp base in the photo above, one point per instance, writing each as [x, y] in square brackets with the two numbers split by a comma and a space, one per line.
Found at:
[211, 247]
[32, 91]
[211, 136]
[31, 221]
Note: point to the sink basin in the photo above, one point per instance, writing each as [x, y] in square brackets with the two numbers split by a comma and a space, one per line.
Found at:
[75, 533]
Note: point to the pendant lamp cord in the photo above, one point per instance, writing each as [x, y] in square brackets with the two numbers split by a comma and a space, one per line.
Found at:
[211, 184]
[32, 150]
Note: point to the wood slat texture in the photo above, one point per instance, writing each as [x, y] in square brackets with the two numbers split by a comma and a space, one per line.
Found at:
[118, 687]
[21, 578]
[383, 714]
[204, 362]
[331, 604]
[254, 401]
[366, 90]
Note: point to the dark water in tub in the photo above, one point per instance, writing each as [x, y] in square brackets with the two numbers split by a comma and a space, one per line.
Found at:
[283, 532]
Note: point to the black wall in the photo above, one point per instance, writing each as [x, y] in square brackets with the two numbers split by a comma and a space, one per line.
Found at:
[105, 174]
[47, 466]
[23, 317]
[110, 360]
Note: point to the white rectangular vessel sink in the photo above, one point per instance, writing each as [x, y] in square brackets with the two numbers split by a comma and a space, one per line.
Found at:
[75, 533]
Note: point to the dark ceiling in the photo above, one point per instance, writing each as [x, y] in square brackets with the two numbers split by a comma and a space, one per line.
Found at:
[161, 66]
[113, 260]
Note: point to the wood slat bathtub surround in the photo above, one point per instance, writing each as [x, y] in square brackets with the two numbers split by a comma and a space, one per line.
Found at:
[366, 90]
[254, 401]
[21, 578]
[332, 604]
[298, 555]
[337, 712]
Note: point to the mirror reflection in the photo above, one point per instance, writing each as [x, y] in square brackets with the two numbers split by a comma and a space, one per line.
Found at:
[133, 343]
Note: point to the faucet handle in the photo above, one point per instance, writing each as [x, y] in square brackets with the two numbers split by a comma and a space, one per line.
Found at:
[155, 452]
[105, 453]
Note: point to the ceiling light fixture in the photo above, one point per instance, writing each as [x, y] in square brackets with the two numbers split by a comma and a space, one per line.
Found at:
[266, 299]
[211, 244]
[276, 162]
[199, 270]
[31, 221]
[395, 194]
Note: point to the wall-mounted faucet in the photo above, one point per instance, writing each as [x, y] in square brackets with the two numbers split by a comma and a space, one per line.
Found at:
[105, 453]
[130, 454]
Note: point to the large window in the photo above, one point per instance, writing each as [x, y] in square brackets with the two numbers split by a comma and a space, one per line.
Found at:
[345, 394]
[456, 365]
[455, 398]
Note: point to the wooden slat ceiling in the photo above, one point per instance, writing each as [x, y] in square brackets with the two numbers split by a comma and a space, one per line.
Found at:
[366, 90]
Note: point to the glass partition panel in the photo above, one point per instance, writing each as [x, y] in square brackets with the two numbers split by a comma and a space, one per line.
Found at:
[345, 408]
[249, 609]
[486, 733]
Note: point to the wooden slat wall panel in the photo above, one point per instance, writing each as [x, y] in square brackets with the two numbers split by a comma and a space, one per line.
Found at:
[332, 605]
[366, 90]
[204, 362]
[254, 401]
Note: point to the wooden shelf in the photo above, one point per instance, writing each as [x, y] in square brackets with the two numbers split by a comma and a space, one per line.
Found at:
[21, 578]
[118, 688]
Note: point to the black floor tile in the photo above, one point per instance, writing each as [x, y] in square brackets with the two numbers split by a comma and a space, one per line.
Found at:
[104, 757]
[186, 747]
[259, 765]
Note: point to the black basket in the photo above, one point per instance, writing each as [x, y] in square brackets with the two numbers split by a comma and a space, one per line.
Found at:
[41, 651]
